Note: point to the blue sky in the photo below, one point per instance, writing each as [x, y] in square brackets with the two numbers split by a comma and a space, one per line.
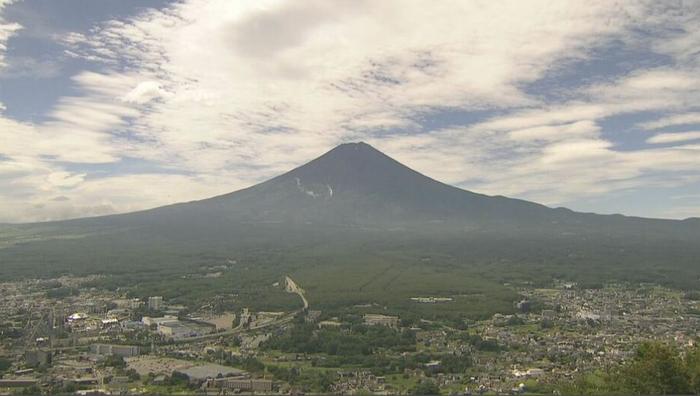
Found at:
[119, 105]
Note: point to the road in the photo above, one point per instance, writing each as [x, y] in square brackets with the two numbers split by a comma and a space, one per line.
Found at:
[292, 287]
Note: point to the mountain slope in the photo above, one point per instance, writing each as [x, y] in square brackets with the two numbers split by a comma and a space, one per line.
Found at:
[354, 184]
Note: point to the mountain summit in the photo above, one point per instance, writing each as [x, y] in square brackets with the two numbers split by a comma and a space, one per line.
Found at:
[356, 184]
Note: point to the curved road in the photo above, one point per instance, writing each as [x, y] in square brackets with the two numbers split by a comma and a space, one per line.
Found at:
[292, 287]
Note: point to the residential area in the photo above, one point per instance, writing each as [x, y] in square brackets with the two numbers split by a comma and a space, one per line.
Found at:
[59, 336]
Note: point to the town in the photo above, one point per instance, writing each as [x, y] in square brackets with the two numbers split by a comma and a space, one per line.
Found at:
[63, 336]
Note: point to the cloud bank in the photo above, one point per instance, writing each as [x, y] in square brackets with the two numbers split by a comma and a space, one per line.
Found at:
[210, 96]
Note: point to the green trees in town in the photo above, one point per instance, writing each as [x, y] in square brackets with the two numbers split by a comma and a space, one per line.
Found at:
[426, 387]
[654, 369]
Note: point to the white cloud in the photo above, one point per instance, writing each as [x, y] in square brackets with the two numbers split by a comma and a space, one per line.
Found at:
[144, 92]
[674, 137]
[677, 119]
[682, 212]
[229, 93]
[64, 179]
[79, 129]
[7, 29]
[52, 196]
[547, 115]
[319, 74]
[557, 132]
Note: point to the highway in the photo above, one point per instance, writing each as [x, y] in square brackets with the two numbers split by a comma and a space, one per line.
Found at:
[292, 287]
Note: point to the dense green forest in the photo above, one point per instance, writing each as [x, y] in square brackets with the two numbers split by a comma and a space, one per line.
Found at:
[342, 268]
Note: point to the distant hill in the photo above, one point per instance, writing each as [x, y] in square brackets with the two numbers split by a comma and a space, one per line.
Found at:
[352, 206]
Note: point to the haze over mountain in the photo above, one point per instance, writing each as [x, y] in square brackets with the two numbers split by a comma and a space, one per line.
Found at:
[350, 198]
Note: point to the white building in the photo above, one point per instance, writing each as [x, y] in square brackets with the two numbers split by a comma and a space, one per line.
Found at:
[175, 330]
[155, 303]
[117, 350]
[148, 321]
[381, 320]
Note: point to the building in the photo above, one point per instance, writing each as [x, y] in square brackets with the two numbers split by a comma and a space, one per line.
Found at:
[533, 372]
[135, 303]
[131, 324]
[94, 307]
[109, 322]
[246, 317]
[82, 381]
[17, 383]
[381, 320]
[261, 385]
[155, 303]
[149, 321]
[329, 323]
[175, 330]
[242, 384]
[77, 317]
[117, 350]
